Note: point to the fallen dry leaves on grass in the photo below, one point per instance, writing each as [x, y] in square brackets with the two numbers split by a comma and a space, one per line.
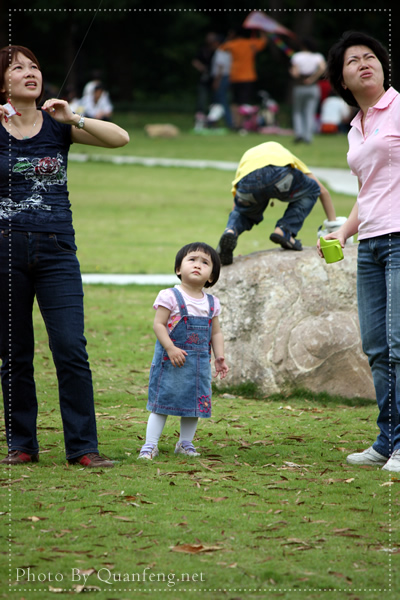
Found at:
[194, 548]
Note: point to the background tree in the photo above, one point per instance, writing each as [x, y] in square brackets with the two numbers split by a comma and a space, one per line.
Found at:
[145, 53]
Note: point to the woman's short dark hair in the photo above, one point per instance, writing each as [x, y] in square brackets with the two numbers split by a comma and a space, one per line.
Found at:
[7, 55]
[336, 59]
[216, 263]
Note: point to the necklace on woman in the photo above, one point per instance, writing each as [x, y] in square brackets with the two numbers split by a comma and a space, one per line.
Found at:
[27, 137]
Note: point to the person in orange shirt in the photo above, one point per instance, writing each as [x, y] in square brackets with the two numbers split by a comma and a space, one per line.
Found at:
[243, 71]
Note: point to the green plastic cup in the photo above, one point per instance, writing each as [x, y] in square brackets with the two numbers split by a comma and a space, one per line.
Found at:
[331, 249]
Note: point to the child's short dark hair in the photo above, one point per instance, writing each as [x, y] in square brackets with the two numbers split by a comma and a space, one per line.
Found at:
[207, 250]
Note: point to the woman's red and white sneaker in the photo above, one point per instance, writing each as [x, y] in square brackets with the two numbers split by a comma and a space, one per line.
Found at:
[92, 460]
[17, 457]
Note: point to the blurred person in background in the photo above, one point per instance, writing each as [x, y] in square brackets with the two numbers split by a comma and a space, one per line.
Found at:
[306, 67]
[243, 76]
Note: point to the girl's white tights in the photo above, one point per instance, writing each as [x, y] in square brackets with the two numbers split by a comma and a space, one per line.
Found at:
[155, 426]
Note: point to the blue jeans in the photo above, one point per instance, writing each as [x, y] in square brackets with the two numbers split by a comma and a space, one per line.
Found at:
[45, 266]
[221, 96]
[255, 190]
[378, 292]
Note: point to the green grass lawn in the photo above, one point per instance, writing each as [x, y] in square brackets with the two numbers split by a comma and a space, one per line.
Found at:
[270, 508]
[325, 151]
[133, 219]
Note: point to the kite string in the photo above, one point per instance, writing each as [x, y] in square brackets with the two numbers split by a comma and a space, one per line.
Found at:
[278, 41]
[80, 48]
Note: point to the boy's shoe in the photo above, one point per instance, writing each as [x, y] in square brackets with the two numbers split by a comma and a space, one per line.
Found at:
[285, 240]
[226, 246]
[91, 459]
[17, 457]
[393, 464]
[148, 451]
[186, 448]
[367, 457]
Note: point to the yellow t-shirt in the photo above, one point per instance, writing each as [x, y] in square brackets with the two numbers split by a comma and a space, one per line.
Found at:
[269, 153]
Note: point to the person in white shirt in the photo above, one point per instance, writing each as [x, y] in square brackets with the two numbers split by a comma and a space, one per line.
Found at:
[306, 68]
[335, 115]
[97, 104]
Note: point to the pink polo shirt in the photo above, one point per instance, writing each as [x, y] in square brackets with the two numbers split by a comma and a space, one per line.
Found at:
[374, 157]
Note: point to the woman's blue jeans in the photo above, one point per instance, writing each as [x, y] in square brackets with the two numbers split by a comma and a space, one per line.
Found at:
[221, 96]
[255, 190]
[45, 266]
[378, 291]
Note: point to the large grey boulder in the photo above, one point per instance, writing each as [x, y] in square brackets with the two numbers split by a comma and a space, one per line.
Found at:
[290, 320]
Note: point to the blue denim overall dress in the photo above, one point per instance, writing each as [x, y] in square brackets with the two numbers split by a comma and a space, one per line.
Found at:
[184, 391]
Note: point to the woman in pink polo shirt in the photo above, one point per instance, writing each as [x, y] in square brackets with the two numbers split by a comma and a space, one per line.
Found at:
[358, 68]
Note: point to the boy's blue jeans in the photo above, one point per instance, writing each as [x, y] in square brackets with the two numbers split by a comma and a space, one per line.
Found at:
[256, 189]
[378, 292]
[44, 266]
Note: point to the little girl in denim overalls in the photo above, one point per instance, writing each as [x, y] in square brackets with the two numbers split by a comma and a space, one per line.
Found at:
[187, 328]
